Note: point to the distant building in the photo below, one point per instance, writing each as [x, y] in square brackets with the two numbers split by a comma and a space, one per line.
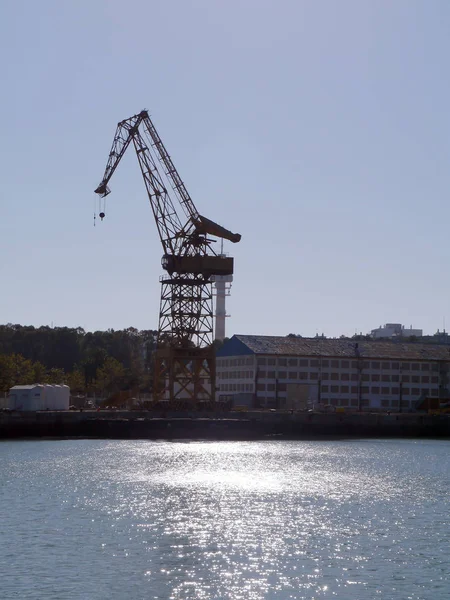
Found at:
[285, 372]
[391, 330]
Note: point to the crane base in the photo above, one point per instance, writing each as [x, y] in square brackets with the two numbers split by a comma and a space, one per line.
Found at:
[185, 377]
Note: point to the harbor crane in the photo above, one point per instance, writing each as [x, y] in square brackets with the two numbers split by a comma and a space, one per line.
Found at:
[184, 363]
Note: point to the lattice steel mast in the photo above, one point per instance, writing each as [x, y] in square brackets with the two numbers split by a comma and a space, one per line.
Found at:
[185, 360]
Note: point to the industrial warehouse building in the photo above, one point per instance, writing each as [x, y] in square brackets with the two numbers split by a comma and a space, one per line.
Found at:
[294, 372]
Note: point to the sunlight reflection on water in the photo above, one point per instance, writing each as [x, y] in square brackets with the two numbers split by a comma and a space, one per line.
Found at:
[138, 519]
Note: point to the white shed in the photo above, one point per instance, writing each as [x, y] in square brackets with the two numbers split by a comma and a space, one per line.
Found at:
[26, 397]
[39, 397]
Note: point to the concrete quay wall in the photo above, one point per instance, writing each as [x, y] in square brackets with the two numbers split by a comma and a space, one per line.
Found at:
[224, 426]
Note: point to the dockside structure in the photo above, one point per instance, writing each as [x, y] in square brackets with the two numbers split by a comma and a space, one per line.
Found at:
[275, 372]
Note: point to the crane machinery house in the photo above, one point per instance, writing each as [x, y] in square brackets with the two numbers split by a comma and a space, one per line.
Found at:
[298, 373]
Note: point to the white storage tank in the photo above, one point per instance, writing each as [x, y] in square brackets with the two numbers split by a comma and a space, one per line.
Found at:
[57, 397]
[66, 397]
[49, 400]
[62, 397]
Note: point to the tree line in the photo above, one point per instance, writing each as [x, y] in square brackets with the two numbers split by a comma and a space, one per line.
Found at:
[101, 362]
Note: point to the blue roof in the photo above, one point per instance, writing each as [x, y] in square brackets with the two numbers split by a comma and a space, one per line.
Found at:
[234, 347]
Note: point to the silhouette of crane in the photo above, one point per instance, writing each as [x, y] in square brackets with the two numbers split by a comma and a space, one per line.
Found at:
[184, 359]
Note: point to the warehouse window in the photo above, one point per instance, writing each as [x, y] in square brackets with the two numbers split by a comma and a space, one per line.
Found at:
[270, 374]
[415, 367]
[282, 362]
[261, 361]
[325, 376]
[386, 365]
[375, 365]
[345, 377]
[354, 389]
[395, 365]
[325, 363]
[249, 361]
[344, 389]
[303, 375]
[395, 378]
[375, 390]
[434, 392]
[365, 389]
[335, 364]
[425, 367]
[313, 375]
[303, 362]
[261, 387]
[365, 377]
[425, 391]
[282, 374]
[435, 367]
[375, 378]
[385, 403]
[345, 364]
[434, 380]
[415, 379]
[385, 378]
[334, 389]
[354, 377]
[292, 362]
[415, 392]
[334, 377]
[281, 387]
[385, 390]
[405, 367]
[324, 388]
[406, 391]
[262, 374]
[405, 378]
[395, 390]
[293, 375]
[270, 387]
[314, 363]
[425, 379]
[271, 361]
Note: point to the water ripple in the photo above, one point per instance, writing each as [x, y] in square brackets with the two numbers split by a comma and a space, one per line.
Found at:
[275, 520]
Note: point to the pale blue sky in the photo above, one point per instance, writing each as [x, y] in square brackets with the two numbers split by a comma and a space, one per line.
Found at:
[317, 129]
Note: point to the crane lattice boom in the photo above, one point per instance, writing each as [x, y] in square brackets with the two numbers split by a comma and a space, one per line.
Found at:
[177, 239]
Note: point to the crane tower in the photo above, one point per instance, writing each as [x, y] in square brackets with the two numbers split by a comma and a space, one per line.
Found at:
[184, 360]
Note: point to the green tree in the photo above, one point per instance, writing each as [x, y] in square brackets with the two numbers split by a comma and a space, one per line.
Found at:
[39, 373]
[56, 376]
[110, 377]
[15, 370]
[76, 382]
